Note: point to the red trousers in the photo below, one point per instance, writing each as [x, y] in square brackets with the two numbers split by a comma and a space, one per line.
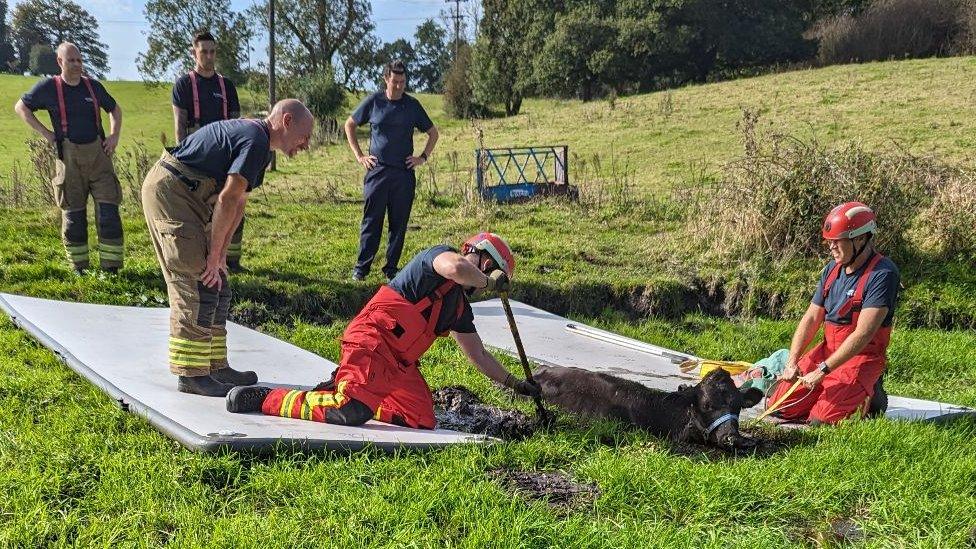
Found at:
[846, 390]
[397, 394]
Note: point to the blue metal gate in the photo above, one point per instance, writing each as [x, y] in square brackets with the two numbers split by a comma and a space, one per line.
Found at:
[512, 173]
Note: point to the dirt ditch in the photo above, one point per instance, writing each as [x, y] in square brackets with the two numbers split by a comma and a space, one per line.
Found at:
[553, 487]
[459, 409]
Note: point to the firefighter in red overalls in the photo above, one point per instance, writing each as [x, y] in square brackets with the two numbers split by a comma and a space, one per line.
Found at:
[855, 302]
[378, 375]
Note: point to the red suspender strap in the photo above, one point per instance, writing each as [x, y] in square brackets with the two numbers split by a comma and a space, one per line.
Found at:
[196, 97]
[98, 114]
[853, 305]
[223, 92]
[59, 86]
[831, 278]
[863, 281]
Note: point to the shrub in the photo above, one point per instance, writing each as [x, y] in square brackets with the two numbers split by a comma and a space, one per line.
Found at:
[770, 204]
[459, 99]
[325, 98]
[948, 226]
[892, 29]
[43, 60]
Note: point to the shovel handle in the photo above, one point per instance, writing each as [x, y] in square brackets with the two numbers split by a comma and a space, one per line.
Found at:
[520, 348]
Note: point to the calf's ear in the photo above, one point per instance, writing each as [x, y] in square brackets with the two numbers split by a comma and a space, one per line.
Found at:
[751, 397]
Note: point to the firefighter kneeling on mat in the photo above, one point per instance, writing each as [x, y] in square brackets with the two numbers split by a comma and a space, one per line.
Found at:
[378, 375]
[193, 199]
[855, 303]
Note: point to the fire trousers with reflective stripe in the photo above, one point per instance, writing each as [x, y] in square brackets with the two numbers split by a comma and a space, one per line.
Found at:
[80, 171]
[396, 393]
[178, 217]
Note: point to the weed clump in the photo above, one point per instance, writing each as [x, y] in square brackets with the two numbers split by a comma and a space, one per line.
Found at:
[769, 204]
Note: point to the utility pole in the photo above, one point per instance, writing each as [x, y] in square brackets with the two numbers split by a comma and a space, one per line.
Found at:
[457, 17]
[272, 96]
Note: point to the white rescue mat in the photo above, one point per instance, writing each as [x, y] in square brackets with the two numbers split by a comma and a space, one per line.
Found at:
[123, 351]
[554, 340]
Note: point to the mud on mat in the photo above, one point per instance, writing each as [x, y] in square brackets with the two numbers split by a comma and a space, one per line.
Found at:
[123, 351]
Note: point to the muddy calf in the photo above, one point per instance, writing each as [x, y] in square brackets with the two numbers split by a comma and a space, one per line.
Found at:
[705, 413]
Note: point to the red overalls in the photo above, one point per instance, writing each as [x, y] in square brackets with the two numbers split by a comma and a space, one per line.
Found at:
[381, 348]
[849, 387]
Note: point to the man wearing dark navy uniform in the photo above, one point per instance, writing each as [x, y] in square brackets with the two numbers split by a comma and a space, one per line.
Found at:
[390, 180]
[84, 164]
[200, 97]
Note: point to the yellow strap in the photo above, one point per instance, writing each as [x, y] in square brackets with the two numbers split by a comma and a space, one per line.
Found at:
[778, 403]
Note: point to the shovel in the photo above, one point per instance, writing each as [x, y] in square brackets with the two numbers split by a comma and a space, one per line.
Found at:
[543, 414]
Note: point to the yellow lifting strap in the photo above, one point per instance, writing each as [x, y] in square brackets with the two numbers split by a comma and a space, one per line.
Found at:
[776, 404]
[706, 366]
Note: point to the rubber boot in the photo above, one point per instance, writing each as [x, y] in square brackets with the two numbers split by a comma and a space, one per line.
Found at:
[241, 400]
[202, 385]
[879, 402]
[234, 377]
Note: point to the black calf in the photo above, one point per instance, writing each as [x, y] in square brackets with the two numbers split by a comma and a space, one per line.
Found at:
[706, 413]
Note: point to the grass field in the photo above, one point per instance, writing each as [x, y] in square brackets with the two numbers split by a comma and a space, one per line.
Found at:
[75, 470]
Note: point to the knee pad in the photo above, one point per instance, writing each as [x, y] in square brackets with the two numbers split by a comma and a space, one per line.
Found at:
[109, 222]
[76, 225]
[209, 299]
[351, 414]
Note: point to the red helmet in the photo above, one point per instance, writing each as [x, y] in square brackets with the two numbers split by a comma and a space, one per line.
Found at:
[848, 220]
[496, 247]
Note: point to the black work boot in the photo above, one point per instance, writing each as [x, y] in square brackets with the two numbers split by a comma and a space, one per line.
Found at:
[234, 377]
[202, 385]
[879, 402]
[241, 400]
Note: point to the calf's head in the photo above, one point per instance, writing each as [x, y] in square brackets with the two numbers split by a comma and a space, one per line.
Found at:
[717, 405]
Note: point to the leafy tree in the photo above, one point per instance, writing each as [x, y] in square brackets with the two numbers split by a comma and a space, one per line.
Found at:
[316, 35]
[43, 60]
[8, 57]
[433, 55]
[458, 96]
[323, 96]
[51, 22]
[173, 24]
[503, 52]
[398, 49]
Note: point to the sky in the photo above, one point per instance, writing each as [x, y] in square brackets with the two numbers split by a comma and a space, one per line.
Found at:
[122, 27]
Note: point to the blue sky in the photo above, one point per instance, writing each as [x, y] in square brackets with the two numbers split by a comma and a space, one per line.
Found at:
[122, 26]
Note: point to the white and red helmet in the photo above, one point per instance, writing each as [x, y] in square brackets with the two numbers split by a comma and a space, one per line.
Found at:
[495, 246]
[849, 220]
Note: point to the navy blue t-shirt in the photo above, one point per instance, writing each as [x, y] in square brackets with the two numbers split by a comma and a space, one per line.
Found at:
[77, 101]
[228, 147]
[211, 99]
[418, 280]
[881, 289]
[391, 126]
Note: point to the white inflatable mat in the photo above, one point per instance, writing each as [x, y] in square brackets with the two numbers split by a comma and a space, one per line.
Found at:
[554, 340]
[123, 351]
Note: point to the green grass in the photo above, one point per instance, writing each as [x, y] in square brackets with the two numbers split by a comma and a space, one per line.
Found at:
[75, 470]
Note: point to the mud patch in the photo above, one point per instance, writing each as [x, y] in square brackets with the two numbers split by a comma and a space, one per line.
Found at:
[554, 487]
[768, 442]
[458, 409]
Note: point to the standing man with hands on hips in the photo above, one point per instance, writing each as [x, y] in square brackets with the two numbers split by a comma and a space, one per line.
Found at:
[390, 181]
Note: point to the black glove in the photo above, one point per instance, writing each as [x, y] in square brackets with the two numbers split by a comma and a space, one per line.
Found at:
[498, 281]
[522, 386]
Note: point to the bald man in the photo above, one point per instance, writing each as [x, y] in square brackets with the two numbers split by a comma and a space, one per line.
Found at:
[84, 163]
[193, 199]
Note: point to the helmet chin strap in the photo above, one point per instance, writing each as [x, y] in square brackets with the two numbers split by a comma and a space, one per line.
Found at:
[858, 252]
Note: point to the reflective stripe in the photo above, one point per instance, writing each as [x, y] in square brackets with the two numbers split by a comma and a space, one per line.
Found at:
[185, 359]
[189, 344]
[288, 402]
[379, 410]
[234, 247]
[76, 253]
[111, 247]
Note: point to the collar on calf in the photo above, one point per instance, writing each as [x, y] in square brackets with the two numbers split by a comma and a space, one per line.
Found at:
[721, 419]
